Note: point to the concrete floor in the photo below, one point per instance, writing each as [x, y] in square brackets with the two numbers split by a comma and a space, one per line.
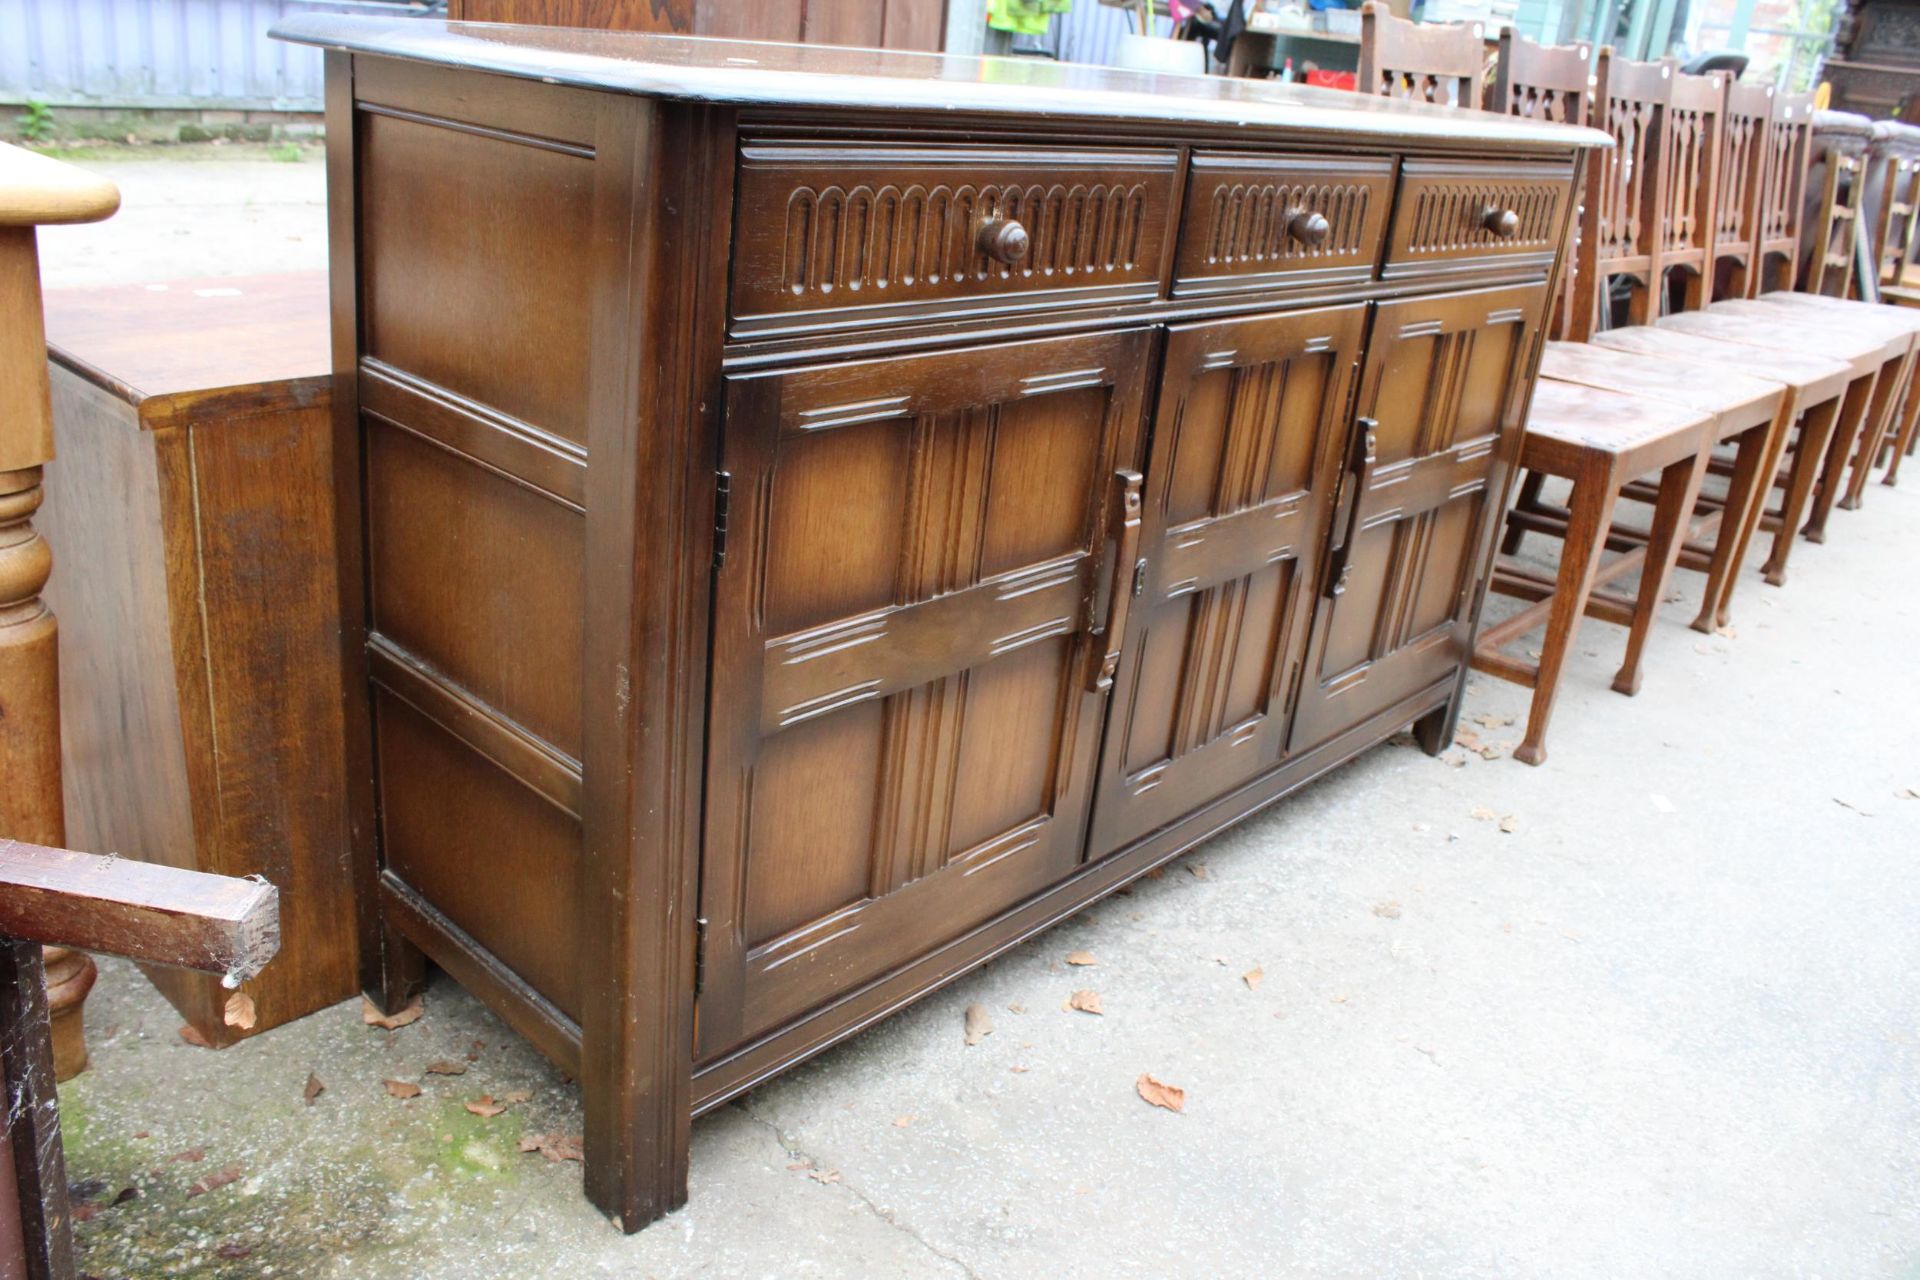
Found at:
[1667, 1026]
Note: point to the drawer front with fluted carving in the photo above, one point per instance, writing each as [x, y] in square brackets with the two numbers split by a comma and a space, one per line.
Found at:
[842, 235]
[1457, 217]
[1258, 222]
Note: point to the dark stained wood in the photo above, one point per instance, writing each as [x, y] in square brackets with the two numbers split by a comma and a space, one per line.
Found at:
[34, 1164]
[906, 487]
[1244, 471]
[1427, 62]
[146, 912]
[894, 24]
[1444, 380]
[202, 698]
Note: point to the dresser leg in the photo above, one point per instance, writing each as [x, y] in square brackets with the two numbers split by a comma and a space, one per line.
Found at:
[1434, 730]
[397, 972]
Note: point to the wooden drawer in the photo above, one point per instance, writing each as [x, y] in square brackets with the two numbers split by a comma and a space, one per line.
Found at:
[1258, 222]
[1444, 222]
[840, 235]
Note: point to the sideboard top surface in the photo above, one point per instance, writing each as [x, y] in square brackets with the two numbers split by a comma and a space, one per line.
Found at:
[749, 73]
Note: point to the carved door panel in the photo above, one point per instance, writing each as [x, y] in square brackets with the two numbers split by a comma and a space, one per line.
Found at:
[905, 707]
[1441, 385]
[1245, 460]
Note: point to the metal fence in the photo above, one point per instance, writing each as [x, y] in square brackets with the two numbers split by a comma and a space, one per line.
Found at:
[194, 54]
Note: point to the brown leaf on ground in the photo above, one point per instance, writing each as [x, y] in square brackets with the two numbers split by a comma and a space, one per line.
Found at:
[1483, 813]
[1253, 978]
[485, 1107]
[1199, 870]
[193, 1037]
[901, 1122]
[372, 1016]
[214, 1181]
[826, 1176]
[239, 1011]
[1467, 738]
[1388, 910]
[1016, 1008]
[1019, 1071]
[313, 1090]
[1156, 873]
[192, 1155]
[1161, 1094]
[1494, 750]
[1488, 720]
[402, 1090]
[1510, 823]
[1081, 958]
[979, 1023]
[514, 1097]
[1084, 1001]
[446, 1068]
[234, 1251]
[554, 1146]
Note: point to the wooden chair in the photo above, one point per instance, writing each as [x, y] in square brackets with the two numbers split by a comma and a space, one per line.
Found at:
[1744, 120]
[1545, 82]
[1426, 63]
[1600, 441]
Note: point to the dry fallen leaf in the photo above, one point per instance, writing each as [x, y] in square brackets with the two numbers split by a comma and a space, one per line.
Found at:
[1388, 910]
[485, 1107]
[193, 1037]
[1160, 1094]
[1483, 813]
[1016, 1008]
[313, 1090]
[192, 1155]
[1252, 978]
[1156, 873]
[1510, 824]
[402, 1090]
[1084, 1001]
[1081, 958]
[214, 1181]
[239, 1011]
[979, 1023]
[1199, 870]
[901, 1122]
[1466, 738]
[554, 1146]
[1019, 1071]
[1489, 720]
[446, 1068]
[514, 1097]
[827, 1176]
[372, 1016]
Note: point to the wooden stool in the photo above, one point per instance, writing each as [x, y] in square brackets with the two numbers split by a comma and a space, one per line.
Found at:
[1750, 412]
[1601, 441]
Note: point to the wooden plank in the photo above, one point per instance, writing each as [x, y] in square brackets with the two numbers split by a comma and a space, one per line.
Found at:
[149, 913]
[31, 1123]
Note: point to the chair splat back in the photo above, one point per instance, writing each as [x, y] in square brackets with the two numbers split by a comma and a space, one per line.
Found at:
[1620, 223]
[1423, 62]
[1689, 185]
[1541, 82]
[1783, 178]
[1736, 207]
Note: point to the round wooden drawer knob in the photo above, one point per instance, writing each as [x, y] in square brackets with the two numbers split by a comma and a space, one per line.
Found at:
[1504, 223]
[1004, 240]
[1310, 229]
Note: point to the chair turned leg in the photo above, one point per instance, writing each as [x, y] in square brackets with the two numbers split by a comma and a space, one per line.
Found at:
[1528, 499]
[1590, 515]
[1672, 511]
[1815, 431]
[1847, 434]
[1744, 492]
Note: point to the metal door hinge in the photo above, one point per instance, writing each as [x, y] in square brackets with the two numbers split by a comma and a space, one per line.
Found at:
[699, 954]
[722, 510]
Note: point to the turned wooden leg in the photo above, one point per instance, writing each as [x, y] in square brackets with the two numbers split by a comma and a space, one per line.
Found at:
[1594, 494]
[1745, 491]
[1815, 431]
[1833, 468]
[1528, 499]
[1672, 512]
[1882, 416]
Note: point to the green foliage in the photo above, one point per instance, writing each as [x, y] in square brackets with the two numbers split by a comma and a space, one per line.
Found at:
[37, 124]
[285, 152]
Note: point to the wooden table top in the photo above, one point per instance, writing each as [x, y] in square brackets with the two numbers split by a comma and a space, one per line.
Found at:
[170, 346]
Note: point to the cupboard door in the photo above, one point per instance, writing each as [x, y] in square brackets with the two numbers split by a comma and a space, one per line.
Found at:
[1244, 464]
[1441, 384]
[905, 717]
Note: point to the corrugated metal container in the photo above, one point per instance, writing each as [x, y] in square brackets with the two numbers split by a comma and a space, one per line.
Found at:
[206, 54]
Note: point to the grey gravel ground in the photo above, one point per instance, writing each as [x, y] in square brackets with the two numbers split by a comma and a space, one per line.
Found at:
[1667, 1027]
